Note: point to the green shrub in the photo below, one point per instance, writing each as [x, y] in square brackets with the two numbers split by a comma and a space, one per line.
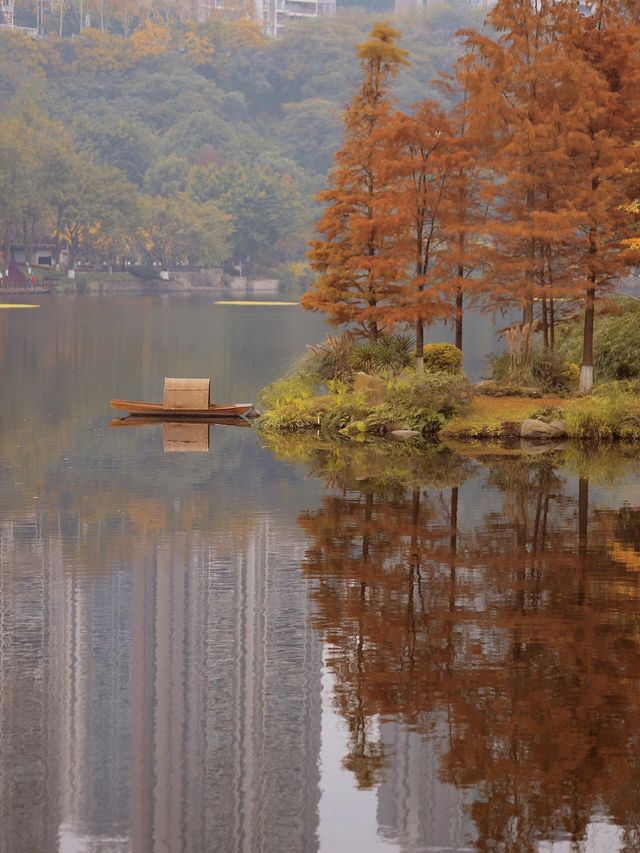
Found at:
[443, 358]
[425, 401]
[146, 273]
[341, 356]
[289, 403]
[548, 370]
[500, 368]
[616, 344]
[553, 373]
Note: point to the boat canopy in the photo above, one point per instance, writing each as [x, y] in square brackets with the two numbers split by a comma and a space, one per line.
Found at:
[186, 393]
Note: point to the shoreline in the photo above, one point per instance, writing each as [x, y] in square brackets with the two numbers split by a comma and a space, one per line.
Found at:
[504, 422]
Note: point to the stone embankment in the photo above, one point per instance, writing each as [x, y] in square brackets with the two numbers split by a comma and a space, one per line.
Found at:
[213, 281]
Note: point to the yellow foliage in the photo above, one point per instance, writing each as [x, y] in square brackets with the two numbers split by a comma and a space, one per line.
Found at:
[198, 48]
[150, 39]
[626, 555]
[98, 51]
[246, 32]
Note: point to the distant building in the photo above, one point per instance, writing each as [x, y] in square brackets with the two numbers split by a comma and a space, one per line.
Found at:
[273, 15]
[7, 8]
[39, 254]
[276, 15]
[417, 810]
[401, 7]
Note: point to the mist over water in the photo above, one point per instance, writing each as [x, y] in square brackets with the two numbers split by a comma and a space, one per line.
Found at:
[297, 646]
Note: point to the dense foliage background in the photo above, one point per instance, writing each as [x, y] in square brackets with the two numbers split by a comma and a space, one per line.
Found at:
[190, 115]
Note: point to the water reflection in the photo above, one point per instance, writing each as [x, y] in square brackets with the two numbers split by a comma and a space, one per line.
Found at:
[162, 678]
[172, 703]
[484, 640]
[182, 436]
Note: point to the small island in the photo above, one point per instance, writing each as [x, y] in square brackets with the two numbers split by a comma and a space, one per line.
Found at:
[503, 197]
[359, 390]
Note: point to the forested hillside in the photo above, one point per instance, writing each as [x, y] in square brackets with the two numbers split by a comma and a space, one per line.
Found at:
[189, 144]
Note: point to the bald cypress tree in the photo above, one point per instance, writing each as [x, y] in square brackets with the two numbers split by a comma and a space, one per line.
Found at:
[416, 158]
[357, 273]
[604, 152]
[519, 105]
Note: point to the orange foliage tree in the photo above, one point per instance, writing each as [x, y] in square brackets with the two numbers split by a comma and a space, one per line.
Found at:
[522, 86]
[604, 154]
[358, 272]
[415, 162]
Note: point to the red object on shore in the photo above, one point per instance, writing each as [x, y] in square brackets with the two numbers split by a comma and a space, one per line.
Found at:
[16, 277]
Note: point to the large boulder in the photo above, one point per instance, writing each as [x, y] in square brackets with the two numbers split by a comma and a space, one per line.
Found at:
[373, 388]
[536, 430]
[405, 433]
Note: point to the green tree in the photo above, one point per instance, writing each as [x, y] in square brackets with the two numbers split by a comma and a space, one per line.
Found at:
[182, 230]
[264, 207]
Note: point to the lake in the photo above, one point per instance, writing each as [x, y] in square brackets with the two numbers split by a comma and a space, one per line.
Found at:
[292, 645]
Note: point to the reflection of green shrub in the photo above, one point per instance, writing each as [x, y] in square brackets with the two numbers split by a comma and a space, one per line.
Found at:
[443, 358]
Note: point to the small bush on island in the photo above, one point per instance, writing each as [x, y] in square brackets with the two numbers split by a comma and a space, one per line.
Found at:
[547, 370]
[445, 358]
[553, 373]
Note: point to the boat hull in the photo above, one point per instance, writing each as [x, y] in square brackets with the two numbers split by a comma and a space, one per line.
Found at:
[157, 410]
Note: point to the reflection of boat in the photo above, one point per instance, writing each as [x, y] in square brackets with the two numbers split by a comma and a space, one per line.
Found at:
[189, 438]
[149, 420]
[184, 398]
[182, 435]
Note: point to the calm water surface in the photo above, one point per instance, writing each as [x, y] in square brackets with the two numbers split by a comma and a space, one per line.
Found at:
[297, 647]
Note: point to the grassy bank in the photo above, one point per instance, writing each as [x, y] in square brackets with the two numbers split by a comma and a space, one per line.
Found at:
[361, 391]
[610, 413]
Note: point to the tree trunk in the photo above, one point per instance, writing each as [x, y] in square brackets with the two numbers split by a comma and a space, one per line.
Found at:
[586, 368]
[419, 348]
[453, 537]
[583, 527]
[459, 304]
[545, 324]
[552, 324]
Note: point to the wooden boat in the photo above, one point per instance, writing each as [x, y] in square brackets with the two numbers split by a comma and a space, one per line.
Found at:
[160, 412]
[185, 398]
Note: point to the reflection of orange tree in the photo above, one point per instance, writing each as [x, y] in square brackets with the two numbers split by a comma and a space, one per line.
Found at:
[519, 629]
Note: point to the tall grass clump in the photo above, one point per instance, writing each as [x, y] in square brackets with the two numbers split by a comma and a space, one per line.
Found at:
[342, 356]
[607, 414]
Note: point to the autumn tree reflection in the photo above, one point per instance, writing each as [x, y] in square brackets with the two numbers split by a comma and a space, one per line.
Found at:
[509, 604]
